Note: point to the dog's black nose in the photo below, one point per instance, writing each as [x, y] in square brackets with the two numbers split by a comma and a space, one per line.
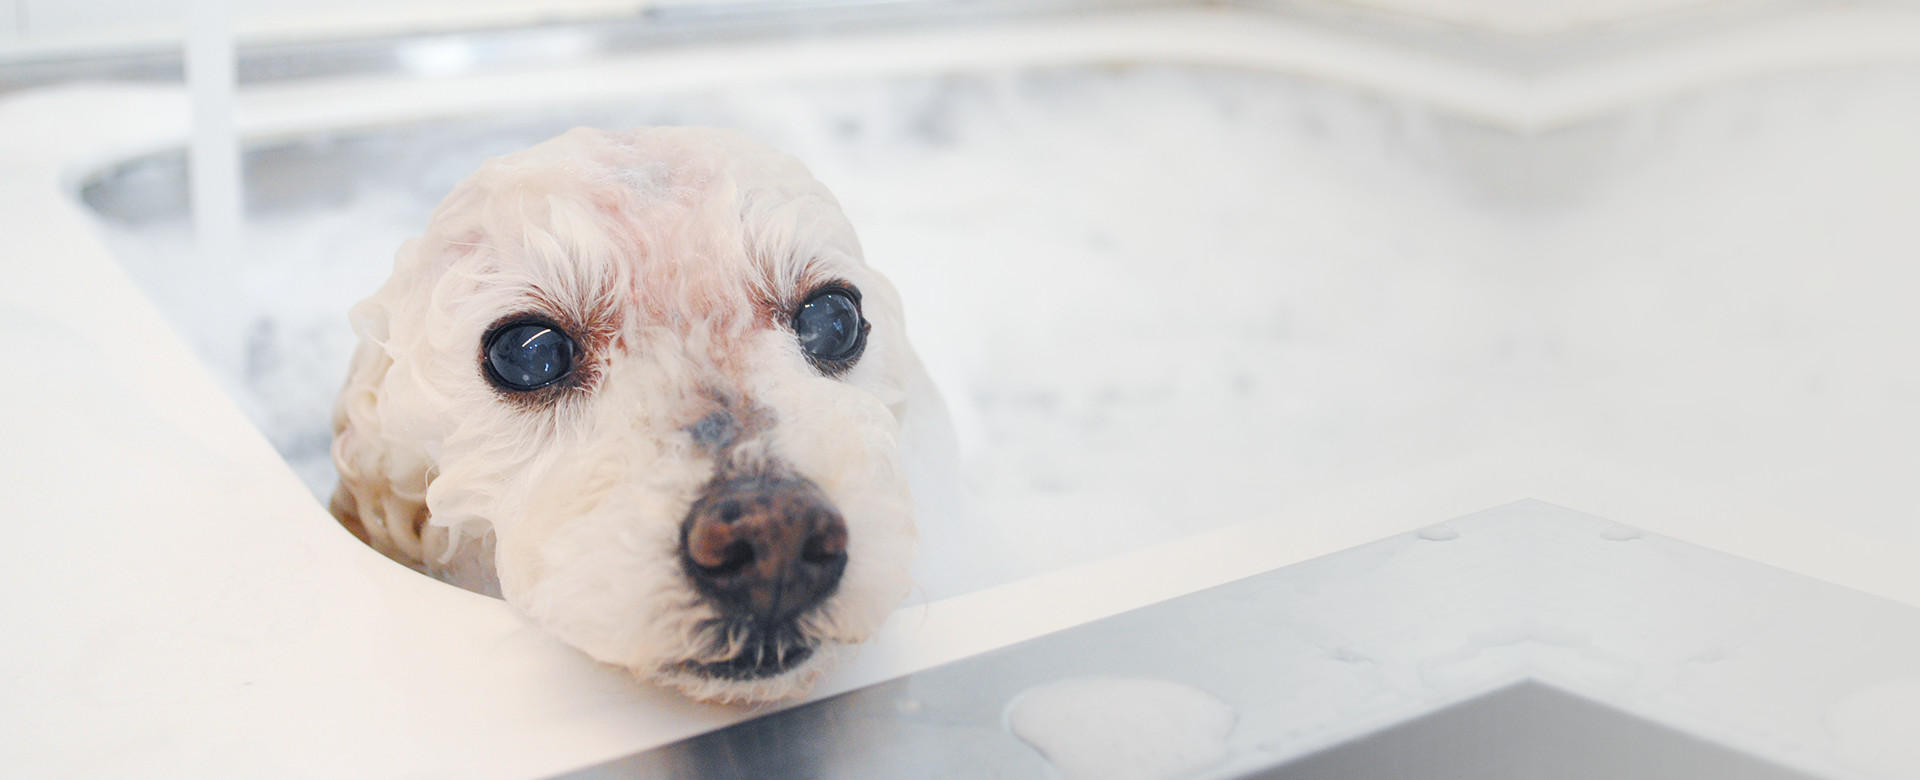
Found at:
[764, 548]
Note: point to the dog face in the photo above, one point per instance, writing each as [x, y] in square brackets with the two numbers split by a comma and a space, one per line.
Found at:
[646, 380]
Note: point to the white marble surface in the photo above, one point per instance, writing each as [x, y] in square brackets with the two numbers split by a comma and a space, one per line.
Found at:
[177, 604]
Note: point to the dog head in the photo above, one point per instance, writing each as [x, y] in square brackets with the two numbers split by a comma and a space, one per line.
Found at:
[652, 373]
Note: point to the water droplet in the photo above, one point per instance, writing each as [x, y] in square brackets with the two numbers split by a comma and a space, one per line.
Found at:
[1439, 533]
[1117, 727]
[1620, 533]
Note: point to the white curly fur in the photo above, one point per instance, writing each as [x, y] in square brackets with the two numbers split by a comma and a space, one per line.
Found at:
[679, 252]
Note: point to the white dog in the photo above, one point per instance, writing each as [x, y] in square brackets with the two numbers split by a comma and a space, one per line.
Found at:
[643, 385]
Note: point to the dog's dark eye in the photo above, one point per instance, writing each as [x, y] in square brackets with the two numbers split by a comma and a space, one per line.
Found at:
[830, 329]
[528, 356]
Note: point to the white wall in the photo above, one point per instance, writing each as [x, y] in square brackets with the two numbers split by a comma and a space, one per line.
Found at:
[70, 25]
[1532, 17]
[13, 14]
[28, 26]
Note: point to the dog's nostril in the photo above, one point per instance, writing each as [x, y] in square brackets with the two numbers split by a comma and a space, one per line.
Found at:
[826, 547]
[733, 558]
[729, 511]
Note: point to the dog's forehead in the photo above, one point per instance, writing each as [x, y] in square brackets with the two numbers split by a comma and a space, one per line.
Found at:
[681, 204]
[680, 218]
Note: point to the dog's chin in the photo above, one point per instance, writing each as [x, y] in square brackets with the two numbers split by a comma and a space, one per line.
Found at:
[759, 667]
[746, 679]
[750, 666]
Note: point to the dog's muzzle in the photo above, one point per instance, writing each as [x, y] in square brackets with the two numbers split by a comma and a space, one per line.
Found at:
[763, 550]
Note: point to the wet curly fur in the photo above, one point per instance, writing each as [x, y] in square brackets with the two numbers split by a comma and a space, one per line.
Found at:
[676, 257]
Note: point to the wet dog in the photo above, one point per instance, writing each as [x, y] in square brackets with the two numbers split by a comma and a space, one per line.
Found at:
[644, 386]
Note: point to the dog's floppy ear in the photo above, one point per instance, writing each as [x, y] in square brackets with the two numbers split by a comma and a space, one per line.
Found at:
[383, 482]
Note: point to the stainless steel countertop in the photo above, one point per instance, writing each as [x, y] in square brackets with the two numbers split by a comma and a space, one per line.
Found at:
[1522, 642]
